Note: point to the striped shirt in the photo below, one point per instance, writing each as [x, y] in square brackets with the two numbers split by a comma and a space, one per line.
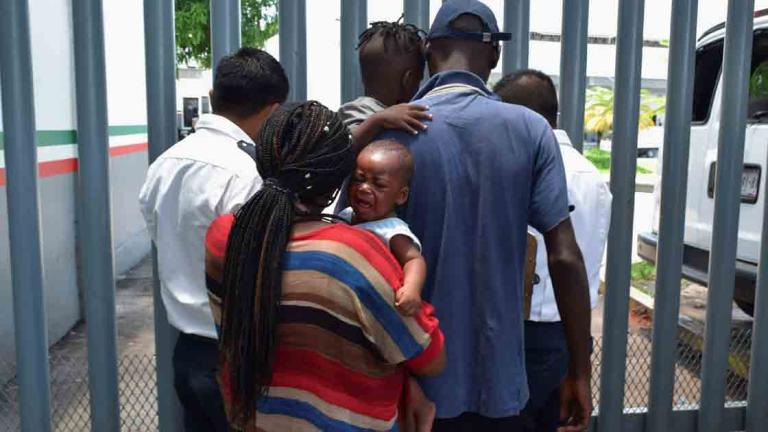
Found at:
[343, 349]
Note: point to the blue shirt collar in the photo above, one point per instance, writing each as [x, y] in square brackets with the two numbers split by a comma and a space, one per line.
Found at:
[453, 77]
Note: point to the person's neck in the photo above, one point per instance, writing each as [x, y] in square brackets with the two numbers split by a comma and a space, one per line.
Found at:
[382, 95]
[460, 63]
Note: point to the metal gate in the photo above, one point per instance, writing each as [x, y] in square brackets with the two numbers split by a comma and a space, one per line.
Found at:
[95, 242]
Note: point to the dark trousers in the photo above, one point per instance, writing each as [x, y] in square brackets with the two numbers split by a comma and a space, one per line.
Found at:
[546, 361]
[471, 422]
[194, 375]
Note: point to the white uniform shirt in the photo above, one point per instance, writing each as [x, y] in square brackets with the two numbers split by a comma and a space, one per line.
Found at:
[591, 197]
[203, 176]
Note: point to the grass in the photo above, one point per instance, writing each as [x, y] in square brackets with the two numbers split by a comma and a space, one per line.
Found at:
[602, 161]
[643, 272]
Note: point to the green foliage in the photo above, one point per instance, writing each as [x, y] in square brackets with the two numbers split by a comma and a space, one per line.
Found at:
[193, 35]
[598, 110]
[601, 159]
[643, 271]
[758, 82]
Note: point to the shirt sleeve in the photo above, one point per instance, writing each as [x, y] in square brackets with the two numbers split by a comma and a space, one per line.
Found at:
[549, 193]
[215, 249]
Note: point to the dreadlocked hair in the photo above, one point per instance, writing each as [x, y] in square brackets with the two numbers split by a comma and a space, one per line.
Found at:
[304, 153]
[405, 38]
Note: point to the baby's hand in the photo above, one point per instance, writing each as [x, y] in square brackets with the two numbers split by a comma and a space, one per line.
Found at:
[408, 300]
[407, 117]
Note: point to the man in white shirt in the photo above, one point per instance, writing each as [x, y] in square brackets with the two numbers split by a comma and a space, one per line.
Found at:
[590, 199]
[207, 174]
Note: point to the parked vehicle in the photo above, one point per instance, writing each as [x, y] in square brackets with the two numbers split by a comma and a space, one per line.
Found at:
[707, 94]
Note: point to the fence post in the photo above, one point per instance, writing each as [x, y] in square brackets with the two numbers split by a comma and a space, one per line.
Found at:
[24, 217]
[225, 28]
[160, 51]
[573, 69]
[674, 181]
[517, 15]
[95, 226]
[722, 258]
[629, 46]
[416, 13]
[353, 22]
[293, 45]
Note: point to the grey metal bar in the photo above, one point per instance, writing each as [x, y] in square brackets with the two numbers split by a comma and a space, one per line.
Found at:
[629, 52]
[674, 180]
[680, 421]
[417, 13]
[293, 46]
[757, 394]
[353, 22]
[24, 217]
[160, 52]
[573, 69]
[95, 226]
[225, 28]
[722, 259]
[517, 14]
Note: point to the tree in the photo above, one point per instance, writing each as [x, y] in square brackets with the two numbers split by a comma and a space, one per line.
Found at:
[598, 111]
[193, 34]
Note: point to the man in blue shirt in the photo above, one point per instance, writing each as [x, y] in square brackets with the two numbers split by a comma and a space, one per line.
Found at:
[484, 170]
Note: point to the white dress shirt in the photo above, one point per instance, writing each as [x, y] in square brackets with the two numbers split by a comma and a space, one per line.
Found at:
[203, 176]
[591, 197]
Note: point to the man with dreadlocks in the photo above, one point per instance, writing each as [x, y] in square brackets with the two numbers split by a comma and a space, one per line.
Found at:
[203, 176]
[392, 67]
[310, 337]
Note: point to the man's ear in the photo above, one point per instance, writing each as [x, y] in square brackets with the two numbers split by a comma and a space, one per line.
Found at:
[495, 57]
[402, 196]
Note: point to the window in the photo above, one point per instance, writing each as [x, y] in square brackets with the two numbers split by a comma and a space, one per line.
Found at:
[709, 59]
[206, 105]
[190, 111]
[757, 109]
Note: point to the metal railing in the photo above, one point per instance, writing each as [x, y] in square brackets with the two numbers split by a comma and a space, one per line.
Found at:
[659, 410]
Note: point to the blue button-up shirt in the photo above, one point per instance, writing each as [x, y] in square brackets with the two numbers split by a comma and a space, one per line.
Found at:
[483, 171]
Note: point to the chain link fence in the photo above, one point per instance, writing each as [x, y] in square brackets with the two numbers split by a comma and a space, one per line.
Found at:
[138, 395]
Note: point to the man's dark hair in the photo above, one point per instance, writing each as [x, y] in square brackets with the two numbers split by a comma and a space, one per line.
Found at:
[532, 89]
[246, 82]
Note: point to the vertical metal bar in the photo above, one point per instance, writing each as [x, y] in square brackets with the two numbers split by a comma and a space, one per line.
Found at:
[573, 69]
[293, 46]
[353, 22]
[722, 259]
[95, 227]
[517, 14]
[225, 28]
[629, 52]
[674, 180]
[417, 13]
[160, 51]
[757, 399]
[24, 216]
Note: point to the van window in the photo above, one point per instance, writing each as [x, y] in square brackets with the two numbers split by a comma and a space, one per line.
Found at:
[757, 110]
[709, 59]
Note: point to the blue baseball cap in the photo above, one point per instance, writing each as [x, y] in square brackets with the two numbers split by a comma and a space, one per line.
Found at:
[452, 9]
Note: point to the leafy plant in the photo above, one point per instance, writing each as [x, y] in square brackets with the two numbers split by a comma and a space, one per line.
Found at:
[598, 111]
[601, 159]
[193, 34]
[643, 271]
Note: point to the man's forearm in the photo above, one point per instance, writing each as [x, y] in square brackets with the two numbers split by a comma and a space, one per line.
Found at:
[569, 278]
[572, 294]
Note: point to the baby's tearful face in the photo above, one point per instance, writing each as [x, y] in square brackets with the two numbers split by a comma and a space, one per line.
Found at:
[378, 185]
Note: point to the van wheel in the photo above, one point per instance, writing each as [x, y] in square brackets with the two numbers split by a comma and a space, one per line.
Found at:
[747, 307]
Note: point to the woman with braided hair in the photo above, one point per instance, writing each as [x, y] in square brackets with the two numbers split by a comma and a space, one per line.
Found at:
[309, 335]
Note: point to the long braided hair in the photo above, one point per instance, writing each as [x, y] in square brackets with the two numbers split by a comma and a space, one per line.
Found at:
[405, 38]
[304, 152]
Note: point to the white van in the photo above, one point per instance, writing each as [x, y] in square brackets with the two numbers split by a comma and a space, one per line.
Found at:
[705, 126]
